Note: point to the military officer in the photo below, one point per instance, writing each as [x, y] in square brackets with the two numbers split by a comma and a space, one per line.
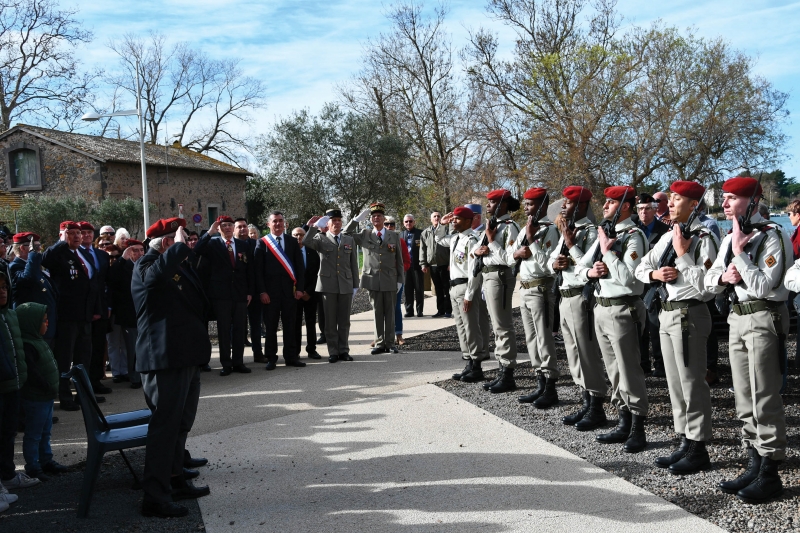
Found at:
[532, 250]
[465, 291]
[619, 315]
[498, 283]
[685, 323]
[337, 280]
[383, 271]
[583, 354]
[752, 267]
[483, 314]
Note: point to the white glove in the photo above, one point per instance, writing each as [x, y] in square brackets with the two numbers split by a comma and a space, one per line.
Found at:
[321, 223]
[399, 286]
[363, 215]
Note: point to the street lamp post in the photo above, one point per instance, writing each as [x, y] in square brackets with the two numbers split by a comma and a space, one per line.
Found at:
[91, 117]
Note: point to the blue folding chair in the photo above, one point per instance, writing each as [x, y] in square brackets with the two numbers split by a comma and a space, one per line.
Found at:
[119, 420]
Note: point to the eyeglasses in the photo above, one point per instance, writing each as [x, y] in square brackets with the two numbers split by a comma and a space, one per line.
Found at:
[392, 224]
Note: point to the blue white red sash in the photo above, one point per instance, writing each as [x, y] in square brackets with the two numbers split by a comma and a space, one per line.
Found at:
[279, 254]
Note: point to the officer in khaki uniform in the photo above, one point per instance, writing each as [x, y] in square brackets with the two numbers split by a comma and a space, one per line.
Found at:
[337, 280]
[580, 342]
[383, 271]
[532, 250]
[498, 283]
[753, 266]
[483, 314]
[465, 292]
[685, 323]
[619, 316]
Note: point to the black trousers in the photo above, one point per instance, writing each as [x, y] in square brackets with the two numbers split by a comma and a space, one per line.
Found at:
[414, 291]
[321, 315]
[231, 330]
[283, 308]
[172, 394]
[255, 318]
[650, 337]
[97, 365]
[440, 276]
[9, 414]
[307, 310]
[73, 345]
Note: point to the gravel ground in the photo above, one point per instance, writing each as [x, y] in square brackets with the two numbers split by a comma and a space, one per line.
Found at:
[697, 493]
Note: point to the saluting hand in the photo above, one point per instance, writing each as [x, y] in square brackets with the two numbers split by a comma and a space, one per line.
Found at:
[214, 229]
[180, 235]
[448, 218]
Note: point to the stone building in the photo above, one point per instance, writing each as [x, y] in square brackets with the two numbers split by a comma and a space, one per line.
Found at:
[57, 163]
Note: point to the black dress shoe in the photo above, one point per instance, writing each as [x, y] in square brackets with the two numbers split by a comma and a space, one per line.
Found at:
[163, 509]
[314, 355]
[188, 473]
[322, 340]
[270, 365]
[206, 368]
[296, 363]
[241, 369]
[448, 315]
[420, 315]
[345, 357]
[409, 315]
[120, 379]
[69, 405]
[247, 343]
[194, 462]
[437, 315]
[54, 468]
[99, 388]
[226, 371]
[136, 385]
[333, 359]
[393, 349]
[379, 350]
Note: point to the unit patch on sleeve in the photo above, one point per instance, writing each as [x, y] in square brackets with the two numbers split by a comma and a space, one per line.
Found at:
[770, 261]
[708, 264]
[634, 255]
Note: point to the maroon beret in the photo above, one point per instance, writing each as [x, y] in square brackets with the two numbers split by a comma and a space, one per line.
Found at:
[134, 242]
[165, 226]
[25, 237]
[85, 225]
[741, 186]
[576, 193]
[689, 189]
[223, 218]
[463, 212]
[535, 193]
[619, 191]
[68, 224]
[498, 195]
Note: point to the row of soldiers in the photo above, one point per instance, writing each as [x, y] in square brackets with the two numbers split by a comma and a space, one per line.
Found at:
[600, 273]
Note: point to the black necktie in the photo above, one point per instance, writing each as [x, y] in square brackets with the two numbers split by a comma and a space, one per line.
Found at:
[279, 244]
[337, 239]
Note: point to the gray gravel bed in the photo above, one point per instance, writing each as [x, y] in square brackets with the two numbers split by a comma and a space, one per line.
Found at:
[697, 493]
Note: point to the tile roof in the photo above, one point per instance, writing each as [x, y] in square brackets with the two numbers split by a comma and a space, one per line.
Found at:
[122, 151]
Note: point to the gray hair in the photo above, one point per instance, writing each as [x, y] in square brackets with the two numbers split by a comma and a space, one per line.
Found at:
[763, 210]
[253, 226]
[156, 243]
[408, 215]
[121, 232]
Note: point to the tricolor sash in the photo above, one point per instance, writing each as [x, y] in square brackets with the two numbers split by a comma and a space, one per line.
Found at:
[272, 244]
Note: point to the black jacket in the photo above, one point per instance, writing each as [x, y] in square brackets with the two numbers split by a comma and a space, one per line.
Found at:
[78, 298]
[416, 235]
[100, 277]
[226, 282]
[29, 283]
[119, 283]
[312, 270]
[171, 310]
[271, 277]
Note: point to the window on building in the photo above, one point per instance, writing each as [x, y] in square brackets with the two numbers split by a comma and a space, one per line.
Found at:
[24, 172]
[213, 213]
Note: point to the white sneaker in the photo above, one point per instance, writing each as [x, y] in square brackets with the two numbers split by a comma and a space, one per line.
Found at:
[3, 507]
[5, 497]
[21, 481]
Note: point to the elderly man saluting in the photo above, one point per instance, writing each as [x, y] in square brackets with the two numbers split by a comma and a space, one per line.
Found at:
[172, 345]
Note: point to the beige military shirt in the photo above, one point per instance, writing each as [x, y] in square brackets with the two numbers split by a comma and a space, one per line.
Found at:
[621, 260]
[462, 262]
[544, 241]
[506, 236]
[585, 236]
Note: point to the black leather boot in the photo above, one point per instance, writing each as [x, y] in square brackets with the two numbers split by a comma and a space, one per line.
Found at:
[694, 460]
[550, 395]
[745, 478]
[595, 417]
[495, 381]
[571, 420]
[620, 433]
[163, 509]
[466, 369]
[506, 383]
[637, 440]
[674, 457]
[541, 382]
[183, 490]
[767, 485]
[475, 375]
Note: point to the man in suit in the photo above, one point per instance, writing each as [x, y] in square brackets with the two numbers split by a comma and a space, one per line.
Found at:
[383, 271]
[77, 305]
[280, 278]
[229, 290]
[254, 309]
[307, 305]
[30, 283]
[172, 345]
[414, 289]
[338, 276]
[124, 312]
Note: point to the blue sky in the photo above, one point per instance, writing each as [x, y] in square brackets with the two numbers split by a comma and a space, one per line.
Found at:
[303, 48]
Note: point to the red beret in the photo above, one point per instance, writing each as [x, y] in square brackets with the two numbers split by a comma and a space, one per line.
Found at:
[620, 191]
[85, 225]
[25, 237]
[165, 226]
[223, 218]
[498, 195]
[463, 212]
[576, 193]
[742, 186]
[69, 224]
[134, 242]
[689, 189]
[534, 193]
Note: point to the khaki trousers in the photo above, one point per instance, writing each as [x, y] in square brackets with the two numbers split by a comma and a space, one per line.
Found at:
[536, 307]
[688, 391]
[505, 339]
[484, 323]
[754, 352]
[383, 303]
[467, 324]
[583, 355]
[618, 339]
[337, 327]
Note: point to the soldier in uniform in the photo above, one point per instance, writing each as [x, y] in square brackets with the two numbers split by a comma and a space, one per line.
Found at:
[685, 323]
[751, 266]
[337, 280]
[498, 283]
[383, 271]
[619, 316]
[583, 354]
[465, 292]
[532, 250]
[435, 258]
[483, 311]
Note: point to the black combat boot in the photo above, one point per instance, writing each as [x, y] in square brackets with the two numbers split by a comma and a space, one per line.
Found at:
[467, 368]
[637, 440]
[767, 485]
[620, 433]
[506, 383]
[496, 380]
[475, 375]
[745, 478]
[674, 457]
[695, 459]
[550, 395]
[571, 420]
[595, 417]
[541, 382]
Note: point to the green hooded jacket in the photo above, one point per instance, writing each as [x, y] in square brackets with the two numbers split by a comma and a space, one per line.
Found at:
[12, 345]
[42, 383]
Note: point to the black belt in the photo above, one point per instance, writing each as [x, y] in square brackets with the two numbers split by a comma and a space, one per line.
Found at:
[680, 304]
[569, 293]
[494, 268]
[458, 281]
[754, 306]
[622, 300]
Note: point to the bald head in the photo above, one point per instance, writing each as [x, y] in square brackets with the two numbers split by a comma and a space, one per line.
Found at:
[662, 201]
